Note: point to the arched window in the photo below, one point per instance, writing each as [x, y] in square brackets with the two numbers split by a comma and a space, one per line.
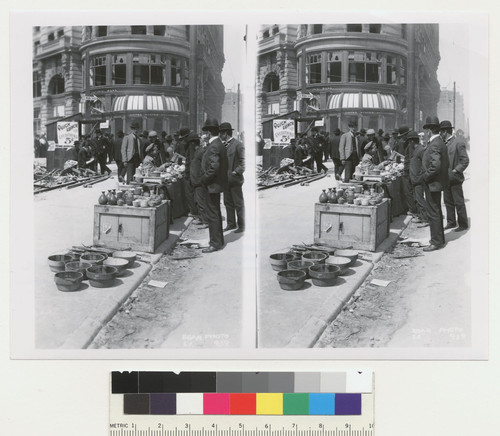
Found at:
[271, 83]
[56, 85]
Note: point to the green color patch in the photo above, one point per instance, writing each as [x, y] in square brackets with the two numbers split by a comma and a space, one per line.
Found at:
[295, 404]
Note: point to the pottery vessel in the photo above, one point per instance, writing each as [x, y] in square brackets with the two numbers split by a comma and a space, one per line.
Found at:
[291, 279]
[302, 265]
[80, 267]
[103, 199]
[279, 261]
[101, 276]
[130, 256]
[350, 254]
[315, 256]
[68, 281]
[93, 258]
[324, 275]
[341, 262]
[57, 262]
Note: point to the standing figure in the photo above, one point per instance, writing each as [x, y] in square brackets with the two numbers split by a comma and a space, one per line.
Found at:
[193, 140]
[454, 194]
[130, 151]
[334, 153]
[415, 153]
[214, 181]
[435, 165]
[233, 195]
[315, 145]
[101, 151]
[117, 154]
[347, 150]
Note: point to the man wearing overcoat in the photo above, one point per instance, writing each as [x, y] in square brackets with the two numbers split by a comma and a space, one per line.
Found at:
[130, 150]
[347, 151]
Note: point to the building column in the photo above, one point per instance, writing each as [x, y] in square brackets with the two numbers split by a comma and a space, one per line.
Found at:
[410, 77]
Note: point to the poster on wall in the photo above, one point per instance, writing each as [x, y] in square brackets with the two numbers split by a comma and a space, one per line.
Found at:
[67, 133]
[283, 130]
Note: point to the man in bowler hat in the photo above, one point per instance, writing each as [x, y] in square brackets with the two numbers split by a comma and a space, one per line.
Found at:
[233, 195]
[348, 151]
[435, 165]
[214, 181]
[131, 150]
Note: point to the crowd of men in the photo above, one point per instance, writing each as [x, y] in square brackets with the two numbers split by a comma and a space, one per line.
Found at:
[214, 164]
[434, 163]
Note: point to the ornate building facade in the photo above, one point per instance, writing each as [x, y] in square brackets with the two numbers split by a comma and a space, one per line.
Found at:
[379, 75]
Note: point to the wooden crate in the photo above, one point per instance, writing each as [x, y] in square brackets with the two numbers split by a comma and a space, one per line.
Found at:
[141, 229]
[347, 225]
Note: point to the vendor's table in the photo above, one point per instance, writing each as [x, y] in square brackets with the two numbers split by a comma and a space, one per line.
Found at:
[347, 225]
[137, 228]
[175, 192]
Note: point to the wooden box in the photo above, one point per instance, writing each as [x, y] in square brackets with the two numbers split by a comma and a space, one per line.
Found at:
[347, 225]
[137, 228]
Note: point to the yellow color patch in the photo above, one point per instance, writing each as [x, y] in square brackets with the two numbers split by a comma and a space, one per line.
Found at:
[269, 404]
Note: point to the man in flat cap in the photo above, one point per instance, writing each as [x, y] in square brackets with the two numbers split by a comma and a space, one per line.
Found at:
[131, 150]
[435, 163]
[233, 195]
[214, 181]
[454, 194]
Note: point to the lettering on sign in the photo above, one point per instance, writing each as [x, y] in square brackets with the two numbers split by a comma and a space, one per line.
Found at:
[283, 130]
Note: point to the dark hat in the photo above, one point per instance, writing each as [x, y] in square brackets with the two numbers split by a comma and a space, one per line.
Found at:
[362, 132]
[98, 131]
[120, 133]
[337, 131]
[169, 138]
[193, 137]
[184, 132]
[145, 133]
[412, 135]
[380, 132]
[387, 136]
[134, 125]
[402, 131]
[395, 133]
[225, 126]
[352, 124]
[431, 121]
[314, 129]
[210, 123]
[163, 133]
[445, 125]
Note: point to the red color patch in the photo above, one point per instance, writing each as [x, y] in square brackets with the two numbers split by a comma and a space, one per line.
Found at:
[243, 404]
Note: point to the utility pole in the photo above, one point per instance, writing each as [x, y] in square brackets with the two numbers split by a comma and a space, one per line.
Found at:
[454, 99]
[238, 118]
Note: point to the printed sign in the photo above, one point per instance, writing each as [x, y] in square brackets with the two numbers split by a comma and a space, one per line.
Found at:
[283, 130]
[104, 125]
[67, 132]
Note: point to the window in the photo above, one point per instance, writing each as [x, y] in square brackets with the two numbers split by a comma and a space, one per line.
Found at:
[391, 77]
[334, 67]
[317, 28]
[56, 85]
[188, 33]
[265, 34]
[148, 69]
[102, 31]
[138, 30]
[403, 31]
[119, 70]
[313, 68]
[271, 83]
[273, 108]
[97, 71]
[37, 46]
[37, 122]
[354, 28]
[159, 30]
[60, 33]
[276, 30]
[175, 72]
[58, 111]
[37, 84]
[375, 28]
[402, 72]
[364, 67]
[50, 37]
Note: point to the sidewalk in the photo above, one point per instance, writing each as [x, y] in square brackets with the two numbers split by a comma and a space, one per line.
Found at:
[72, 319]
[297, 318]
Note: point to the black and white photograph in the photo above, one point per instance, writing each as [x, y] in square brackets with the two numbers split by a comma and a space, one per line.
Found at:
[367, 198]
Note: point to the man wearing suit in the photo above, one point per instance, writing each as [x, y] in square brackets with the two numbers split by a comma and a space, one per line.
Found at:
[117, 154]
[435, 166]
[214, 181]
[233, 195]
[334, 153]
[130, 150]
[347, 151]
[454, 194]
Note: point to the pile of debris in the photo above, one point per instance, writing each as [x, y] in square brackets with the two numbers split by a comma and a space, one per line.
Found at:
[287, 175]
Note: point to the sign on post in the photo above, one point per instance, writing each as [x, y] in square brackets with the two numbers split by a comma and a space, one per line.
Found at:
[283, 130]
[67, 132]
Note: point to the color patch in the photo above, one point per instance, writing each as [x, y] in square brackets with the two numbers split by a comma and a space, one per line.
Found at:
[295, 404]
[269, 404]
[333, 382]
[348, 404]
[321, 404]
[307, 382]
[243, 404]
[216, 404]
[136, 404]
[124, 382]
[203, 382]
[229, 382]
[359, 381]
[190, 404]
[164, 382]
[163, 404]
[253, 382]
[281, 382]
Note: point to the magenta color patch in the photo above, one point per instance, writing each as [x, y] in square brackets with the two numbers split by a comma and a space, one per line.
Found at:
[216, 404]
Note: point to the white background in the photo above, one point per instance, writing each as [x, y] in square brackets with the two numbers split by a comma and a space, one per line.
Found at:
[60, 397]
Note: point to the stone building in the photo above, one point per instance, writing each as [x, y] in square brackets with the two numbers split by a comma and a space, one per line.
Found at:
[445, 109]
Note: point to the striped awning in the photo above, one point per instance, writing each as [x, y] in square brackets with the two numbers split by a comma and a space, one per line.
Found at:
[149, 103]
[361, 100]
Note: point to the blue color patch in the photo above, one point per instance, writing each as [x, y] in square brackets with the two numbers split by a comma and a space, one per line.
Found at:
[321, 404]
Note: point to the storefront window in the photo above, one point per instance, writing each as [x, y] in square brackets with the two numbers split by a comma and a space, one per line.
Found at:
[313, 68]
[391, 77]
[119, 70]
[97, 71]
[175, 72]
[364, 67]
[37, 84]
[334, 67]
[148, 69]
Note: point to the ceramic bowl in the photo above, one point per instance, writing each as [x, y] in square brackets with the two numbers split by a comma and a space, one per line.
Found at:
[93, 258]
[291, 279]
[68, 281]
[302, 265]
[324, 275]
[130, 256]
[101, 276]
[120, 264]
[315, 256]
[57, 262]
[341, 262]
[350, 254]
[78, 267]
[279, 261]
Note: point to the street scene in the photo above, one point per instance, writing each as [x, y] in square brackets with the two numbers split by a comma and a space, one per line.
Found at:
[363, 183]
[139, 145]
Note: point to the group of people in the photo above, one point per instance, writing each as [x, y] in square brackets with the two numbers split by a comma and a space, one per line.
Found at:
[214, 165]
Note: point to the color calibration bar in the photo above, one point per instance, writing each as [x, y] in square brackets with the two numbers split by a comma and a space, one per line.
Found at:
[237, 393]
